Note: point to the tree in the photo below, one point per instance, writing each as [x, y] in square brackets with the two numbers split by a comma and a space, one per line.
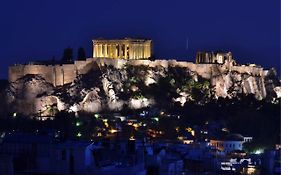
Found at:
[81, 55]
[67, 54]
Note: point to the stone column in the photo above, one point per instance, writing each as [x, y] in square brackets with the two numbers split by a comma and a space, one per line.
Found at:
[134, 51]
[123, 51]
[95, 54]
[126, 51]
[111, 50]
[101, 55]
[102, 50]
[120, 51]
[105, 50]
[94, 50]
[139, 48]
[149, 50]
[98, 50]
[142, 50]
[139, 52]
[130, 51]
[116, 49]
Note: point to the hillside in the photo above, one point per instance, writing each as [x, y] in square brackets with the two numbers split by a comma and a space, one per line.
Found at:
[113, 88]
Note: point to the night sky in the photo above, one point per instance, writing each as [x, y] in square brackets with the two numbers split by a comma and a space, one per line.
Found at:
[40, 29]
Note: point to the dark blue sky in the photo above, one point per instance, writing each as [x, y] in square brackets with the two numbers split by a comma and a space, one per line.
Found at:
[39, 29]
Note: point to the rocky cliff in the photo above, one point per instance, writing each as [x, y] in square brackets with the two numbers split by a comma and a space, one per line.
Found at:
[135, 86]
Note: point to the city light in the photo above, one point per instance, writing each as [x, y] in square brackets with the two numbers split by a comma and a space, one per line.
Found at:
[97, 116]
[105, 121]
[251, 170]
[136, 125]
[112, 131]
[156, 119]
[258, 151]
[78, 123]
[78, 134]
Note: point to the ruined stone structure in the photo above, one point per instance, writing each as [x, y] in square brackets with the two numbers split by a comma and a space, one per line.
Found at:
[58, 74]
[213, 57]
[122, 49]
[132, 49]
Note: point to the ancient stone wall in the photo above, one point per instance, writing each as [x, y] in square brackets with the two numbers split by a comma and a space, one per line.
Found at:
[256, 71]
[54, 74]
[66, 73]
[18, 71]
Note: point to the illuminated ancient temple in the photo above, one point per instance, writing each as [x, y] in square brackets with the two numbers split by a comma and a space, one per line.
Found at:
[213, 57]
[127, 48]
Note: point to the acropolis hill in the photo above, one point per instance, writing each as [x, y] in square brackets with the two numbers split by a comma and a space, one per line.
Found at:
[121, 74]
[135, 52]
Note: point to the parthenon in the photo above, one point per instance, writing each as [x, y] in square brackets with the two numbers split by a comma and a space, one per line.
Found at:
[122, 49]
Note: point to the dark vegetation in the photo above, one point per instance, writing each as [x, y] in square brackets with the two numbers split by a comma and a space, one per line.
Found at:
[81, 55]
[3, 84]
[67, 55]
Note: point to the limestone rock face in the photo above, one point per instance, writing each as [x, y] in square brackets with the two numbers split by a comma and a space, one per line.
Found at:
[278, 91]
[140, 103]
[22, 95]
[138, 85]
[92, 101]
[48, 105]
[232, 83]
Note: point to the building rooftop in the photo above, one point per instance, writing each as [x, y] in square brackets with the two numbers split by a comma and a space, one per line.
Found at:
[229, 137]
